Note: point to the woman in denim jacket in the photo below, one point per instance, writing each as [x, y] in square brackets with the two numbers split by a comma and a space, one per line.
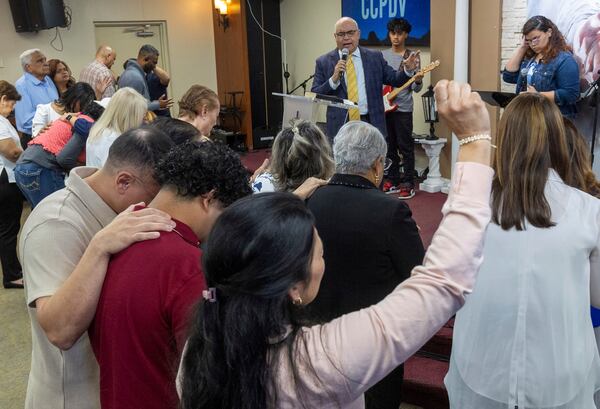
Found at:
[544, 64]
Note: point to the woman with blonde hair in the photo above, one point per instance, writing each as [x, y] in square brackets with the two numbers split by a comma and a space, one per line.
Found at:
[200, 107]
[299, 152]
[126, 110]
[524, 337]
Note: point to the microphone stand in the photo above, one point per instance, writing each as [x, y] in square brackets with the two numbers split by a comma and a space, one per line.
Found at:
[286, 75]
[592, 92]
[302, 85]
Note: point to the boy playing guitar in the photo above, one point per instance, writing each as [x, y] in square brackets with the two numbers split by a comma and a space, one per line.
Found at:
[400, 121]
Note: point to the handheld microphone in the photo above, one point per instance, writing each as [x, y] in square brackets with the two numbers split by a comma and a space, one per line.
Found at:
[345, 53]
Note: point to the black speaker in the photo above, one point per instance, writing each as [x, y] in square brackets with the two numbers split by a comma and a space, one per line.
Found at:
[36, 15]
[20, 14]
[264, 61]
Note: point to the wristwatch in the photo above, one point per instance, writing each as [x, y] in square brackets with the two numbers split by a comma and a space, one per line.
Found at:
[68, 117]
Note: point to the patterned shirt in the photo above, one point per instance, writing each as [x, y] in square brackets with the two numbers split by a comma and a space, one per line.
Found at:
[94, 73]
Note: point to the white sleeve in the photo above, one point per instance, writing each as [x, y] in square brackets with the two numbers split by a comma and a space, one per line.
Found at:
[595, 269]
[40, 119]
[4, 132]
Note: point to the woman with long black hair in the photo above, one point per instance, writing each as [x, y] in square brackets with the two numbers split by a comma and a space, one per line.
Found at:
[264, 261]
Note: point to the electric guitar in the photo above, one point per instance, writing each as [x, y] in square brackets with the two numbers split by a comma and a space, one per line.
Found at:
[390, 93]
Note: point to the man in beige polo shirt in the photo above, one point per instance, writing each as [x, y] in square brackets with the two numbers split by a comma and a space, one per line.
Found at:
[65, 247]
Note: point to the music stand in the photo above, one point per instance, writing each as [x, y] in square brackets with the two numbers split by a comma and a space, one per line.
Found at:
[497, 98]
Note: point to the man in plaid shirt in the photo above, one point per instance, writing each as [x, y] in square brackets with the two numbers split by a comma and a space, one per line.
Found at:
[98, 73]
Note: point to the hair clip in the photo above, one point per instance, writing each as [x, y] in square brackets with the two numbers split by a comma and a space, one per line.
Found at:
[210, 295]
[296, 131]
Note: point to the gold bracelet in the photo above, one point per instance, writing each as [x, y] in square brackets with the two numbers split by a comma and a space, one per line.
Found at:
[473, 138]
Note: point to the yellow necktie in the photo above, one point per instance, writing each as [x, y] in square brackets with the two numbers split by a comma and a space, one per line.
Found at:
[353, 113]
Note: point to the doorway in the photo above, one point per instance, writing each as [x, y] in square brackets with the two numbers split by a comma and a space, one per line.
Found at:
[127, 37]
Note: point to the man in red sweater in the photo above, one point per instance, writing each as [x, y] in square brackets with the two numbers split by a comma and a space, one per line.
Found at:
[140, 326]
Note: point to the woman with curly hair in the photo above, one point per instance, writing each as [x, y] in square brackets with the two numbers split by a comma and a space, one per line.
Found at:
[544, 64]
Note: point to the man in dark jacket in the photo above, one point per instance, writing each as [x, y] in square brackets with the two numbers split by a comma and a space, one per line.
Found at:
[371, 242]
[135, 73]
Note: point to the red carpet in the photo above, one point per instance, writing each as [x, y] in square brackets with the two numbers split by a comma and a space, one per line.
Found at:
[252, 160]
[427, 212]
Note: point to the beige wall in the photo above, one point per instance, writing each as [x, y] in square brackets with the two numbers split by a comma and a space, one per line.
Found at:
[308, 27]
[189, 31]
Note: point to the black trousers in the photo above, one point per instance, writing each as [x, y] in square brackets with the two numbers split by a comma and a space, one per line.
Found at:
[25, 139]
[11, 206]
[387, 393]
[400, 140]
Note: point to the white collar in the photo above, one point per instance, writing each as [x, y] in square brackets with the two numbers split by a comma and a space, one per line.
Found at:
[356, 53]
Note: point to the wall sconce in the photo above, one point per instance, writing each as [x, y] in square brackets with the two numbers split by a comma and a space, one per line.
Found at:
[221, 7]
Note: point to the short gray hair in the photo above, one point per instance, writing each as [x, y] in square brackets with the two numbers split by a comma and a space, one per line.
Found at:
[27, 55]
[356, 146]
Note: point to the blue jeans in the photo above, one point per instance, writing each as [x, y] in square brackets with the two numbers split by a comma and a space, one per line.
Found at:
[37, 182]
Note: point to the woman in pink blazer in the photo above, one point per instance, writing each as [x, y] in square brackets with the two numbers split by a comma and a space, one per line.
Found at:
[263, 262]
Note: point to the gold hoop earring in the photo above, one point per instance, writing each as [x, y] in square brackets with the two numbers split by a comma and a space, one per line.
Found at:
[376, 178]
[297, 301]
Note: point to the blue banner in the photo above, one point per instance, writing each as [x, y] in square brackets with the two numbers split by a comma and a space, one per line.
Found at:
[373, 15]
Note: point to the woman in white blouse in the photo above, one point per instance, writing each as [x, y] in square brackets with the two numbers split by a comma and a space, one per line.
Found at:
[80, 94]
[11, 200]
[524, 338]
[126, 110]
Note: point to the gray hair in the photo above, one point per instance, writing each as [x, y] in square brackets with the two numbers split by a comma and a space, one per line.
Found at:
[27, 55]
[356, 146]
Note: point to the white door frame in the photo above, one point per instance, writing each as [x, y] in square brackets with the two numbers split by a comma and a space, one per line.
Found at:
[163, 37]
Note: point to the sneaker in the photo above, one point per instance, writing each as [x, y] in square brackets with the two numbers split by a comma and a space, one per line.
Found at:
[390, 188]
[406, 192]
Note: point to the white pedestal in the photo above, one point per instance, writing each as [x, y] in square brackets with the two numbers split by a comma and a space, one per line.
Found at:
[434, 182]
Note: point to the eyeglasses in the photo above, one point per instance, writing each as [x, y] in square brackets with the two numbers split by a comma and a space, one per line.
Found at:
[342, 34]
[534, 40]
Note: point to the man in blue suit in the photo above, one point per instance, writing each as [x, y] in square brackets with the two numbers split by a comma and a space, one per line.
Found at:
[370, 70]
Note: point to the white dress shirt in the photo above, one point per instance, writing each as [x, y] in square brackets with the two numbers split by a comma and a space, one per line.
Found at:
[363, 106]
[524, 337]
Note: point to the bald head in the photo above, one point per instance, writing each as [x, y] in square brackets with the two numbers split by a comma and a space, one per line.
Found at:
[345, 20]
[106, 55]
[346, 34]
